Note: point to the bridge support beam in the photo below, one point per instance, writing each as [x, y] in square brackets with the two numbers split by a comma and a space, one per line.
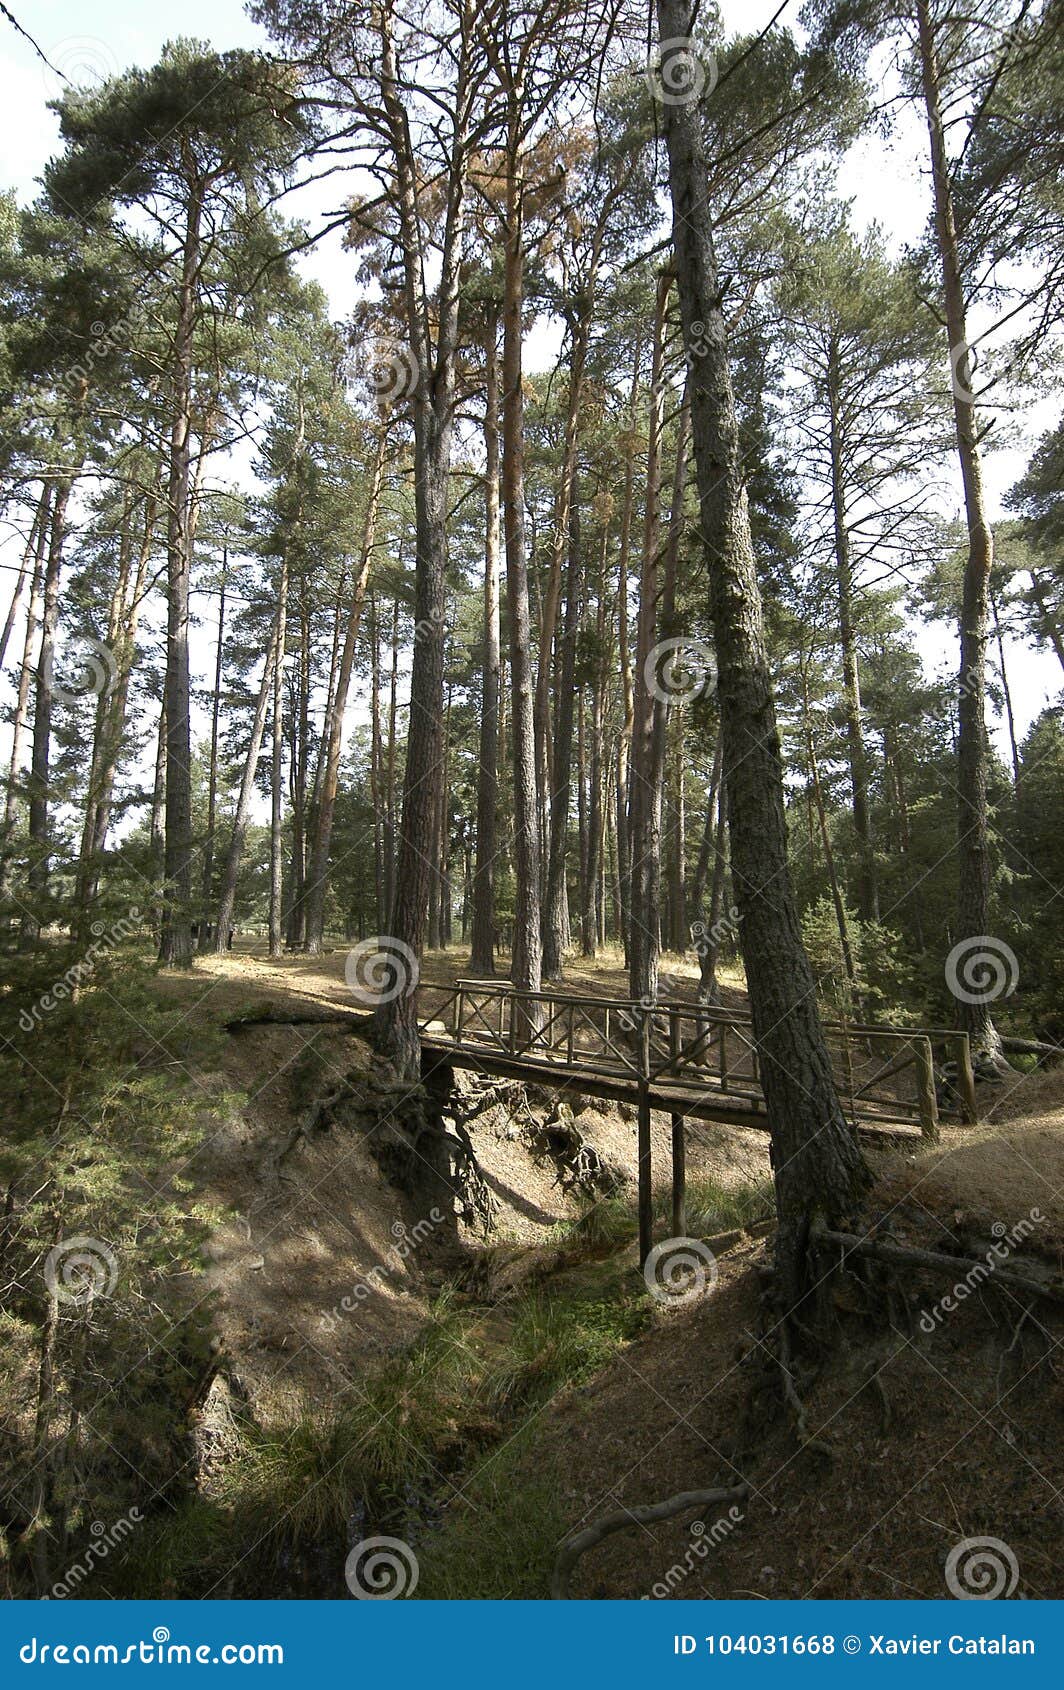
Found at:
[679, 1178]
[646, 1193]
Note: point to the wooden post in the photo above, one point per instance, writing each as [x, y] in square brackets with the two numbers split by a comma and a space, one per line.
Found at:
[646, 1195]
[962, 1053]
[679, 1178]
[925, 1082]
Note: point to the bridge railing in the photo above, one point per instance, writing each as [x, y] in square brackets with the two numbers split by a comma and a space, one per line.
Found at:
[881, 1073]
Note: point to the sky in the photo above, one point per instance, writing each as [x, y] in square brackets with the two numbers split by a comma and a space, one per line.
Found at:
[90, 40]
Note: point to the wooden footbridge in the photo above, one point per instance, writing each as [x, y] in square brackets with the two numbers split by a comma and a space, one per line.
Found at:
[691, 1061]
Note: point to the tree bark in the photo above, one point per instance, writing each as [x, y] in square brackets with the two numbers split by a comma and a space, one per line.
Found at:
[482, 956]
[526, 957]
[555, 909]
[643, 795]
[326, 805]
[235, 854]
[276, 768]
[817, 1164]
[433, 414]
[867, 893]
[18, 727]
[973, 850]
[37, 872]
[207, 877]
[175, 941]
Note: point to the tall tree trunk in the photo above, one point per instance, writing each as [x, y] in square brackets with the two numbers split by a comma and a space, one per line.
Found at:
[390, 808]
[326, 806]
[433, 417]
[546, 755]
[203, 940]
[376, 766]
[817, 1164]
[482, 956]
[591, 925]
[111, 705]
[33, 545]
[37, 871]
[973, 850]
[867, 892]
[276, 772]
[1010, 715]
[555, 909]
[526, 957]
[235, 854]
[175, 942]
[624, 742]
[22, 701]
[299, 770]
[643, 798]
[678, 837]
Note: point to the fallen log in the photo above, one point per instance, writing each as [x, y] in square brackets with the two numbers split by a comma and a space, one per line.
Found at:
[578, 1543]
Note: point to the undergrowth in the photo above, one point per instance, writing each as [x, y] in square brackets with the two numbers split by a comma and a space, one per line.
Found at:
[290, 1502]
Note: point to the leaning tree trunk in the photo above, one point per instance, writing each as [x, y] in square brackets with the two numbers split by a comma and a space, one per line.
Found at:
[817, 1164]
[973, 848]
[482, 957]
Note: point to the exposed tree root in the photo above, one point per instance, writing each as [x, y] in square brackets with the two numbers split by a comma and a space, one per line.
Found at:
[578, 1543]
[908, 1256]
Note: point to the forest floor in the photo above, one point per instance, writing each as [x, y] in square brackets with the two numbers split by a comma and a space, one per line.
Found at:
[930, 1427]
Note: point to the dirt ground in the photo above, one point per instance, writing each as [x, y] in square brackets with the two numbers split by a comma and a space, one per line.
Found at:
[918, 1437]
